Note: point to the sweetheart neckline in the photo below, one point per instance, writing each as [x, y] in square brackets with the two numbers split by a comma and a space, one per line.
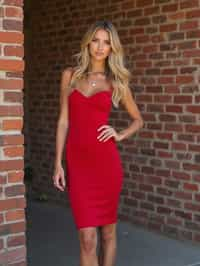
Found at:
[87, 97]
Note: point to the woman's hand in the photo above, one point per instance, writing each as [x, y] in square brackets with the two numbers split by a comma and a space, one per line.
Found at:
[59, 178]
[107, 133]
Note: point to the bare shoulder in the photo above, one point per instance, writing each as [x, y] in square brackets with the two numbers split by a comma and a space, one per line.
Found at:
[67, 73]
[66, 78]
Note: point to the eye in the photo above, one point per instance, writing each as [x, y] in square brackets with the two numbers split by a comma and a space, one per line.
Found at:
[94, 40]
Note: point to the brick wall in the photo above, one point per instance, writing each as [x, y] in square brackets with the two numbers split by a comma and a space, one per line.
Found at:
[161, 162]
[12, 201]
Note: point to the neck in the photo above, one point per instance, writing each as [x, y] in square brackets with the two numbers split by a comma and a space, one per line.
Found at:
[97, 66]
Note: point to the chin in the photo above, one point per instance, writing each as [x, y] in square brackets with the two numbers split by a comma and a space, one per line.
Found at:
[99, 57]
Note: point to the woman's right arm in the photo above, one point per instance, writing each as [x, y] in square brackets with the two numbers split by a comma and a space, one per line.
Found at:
[62, 127]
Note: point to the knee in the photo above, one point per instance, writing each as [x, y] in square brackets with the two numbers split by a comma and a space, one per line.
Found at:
[108, 236]
[88, 243]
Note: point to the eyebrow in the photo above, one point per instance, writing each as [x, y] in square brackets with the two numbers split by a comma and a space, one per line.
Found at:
[98, 39]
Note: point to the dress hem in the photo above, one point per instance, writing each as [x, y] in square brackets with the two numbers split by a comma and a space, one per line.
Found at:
[97, 224]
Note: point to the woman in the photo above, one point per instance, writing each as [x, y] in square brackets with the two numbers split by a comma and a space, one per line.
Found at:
[94, 169]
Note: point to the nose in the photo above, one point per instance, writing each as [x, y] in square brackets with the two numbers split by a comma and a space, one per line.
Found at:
[100, 46]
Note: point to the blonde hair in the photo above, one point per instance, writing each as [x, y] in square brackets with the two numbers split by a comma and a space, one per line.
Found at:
[115, 68]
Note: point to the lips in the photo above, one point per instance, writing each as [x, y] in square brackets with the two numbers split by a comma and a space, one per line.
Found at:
[99, 53]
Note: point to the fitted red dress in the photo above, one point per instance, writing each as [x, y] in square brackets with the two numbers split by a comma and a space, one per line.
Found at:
[94, 168]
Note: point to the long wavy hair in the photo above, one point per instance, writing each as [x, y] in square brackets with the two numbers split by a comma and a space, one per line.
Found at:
[115, 66]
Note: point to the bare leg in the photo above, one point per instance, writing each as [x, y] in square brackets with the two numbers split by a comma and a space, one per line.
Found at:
[109, 245]
[88, 246]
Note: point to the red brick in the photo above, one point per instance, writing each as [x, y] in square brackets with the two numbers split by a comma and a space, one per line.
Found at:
[164, 135]
[11, 84]
[174, 108]
[173, 127]
[182, 99]
[142, 3]
[163, 98]
[14, 190]
[142, 21]
[163, 210]
[194, 147]
[193, 109]
[181, 175]
[183, 214]
[11, 139]
[189, 4]
[146, 187]
[11, 37]
[193, 34]
[179, 146]
[191, 167]
[11, 65]
[134, 13]
[191, 53]
[154, 180]
[183, 195]
[173, 203]
[12, 124]
[14, 215]
[11, 165]
[16, 176]
[151, 10]
[189, 25]
[12, 256]
[14, 151]
[14, 241]
[144, 98]
[166, 80]
[197, 197]
[13, 12]
[12, 96]
[192, 128]
[171, 164]
[169, 71]
[11, 110]
[12, 204]
[164, 154]
[188, 186]
[14, 2]
[136, 30]
[163, 172]
[184, 79]
[127, 5]
[170, 8]
[193, 14]
[147, 206]
[168, 27]
[146, 134]
[192, 206]
[12, 25]
[177, 16]
[14, 51]
[174, 221]
[160, 145]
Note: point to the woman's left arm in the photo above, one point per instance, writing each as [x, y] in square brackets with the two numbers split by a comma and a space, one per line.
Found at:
[134, 113]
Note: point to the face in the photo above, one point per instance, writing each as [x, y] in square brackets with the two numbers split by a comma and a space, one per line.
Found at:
[100, 46]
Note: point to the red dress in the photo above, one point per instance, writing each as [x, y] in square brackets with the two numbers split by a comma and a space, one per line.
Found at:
[94, 168]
